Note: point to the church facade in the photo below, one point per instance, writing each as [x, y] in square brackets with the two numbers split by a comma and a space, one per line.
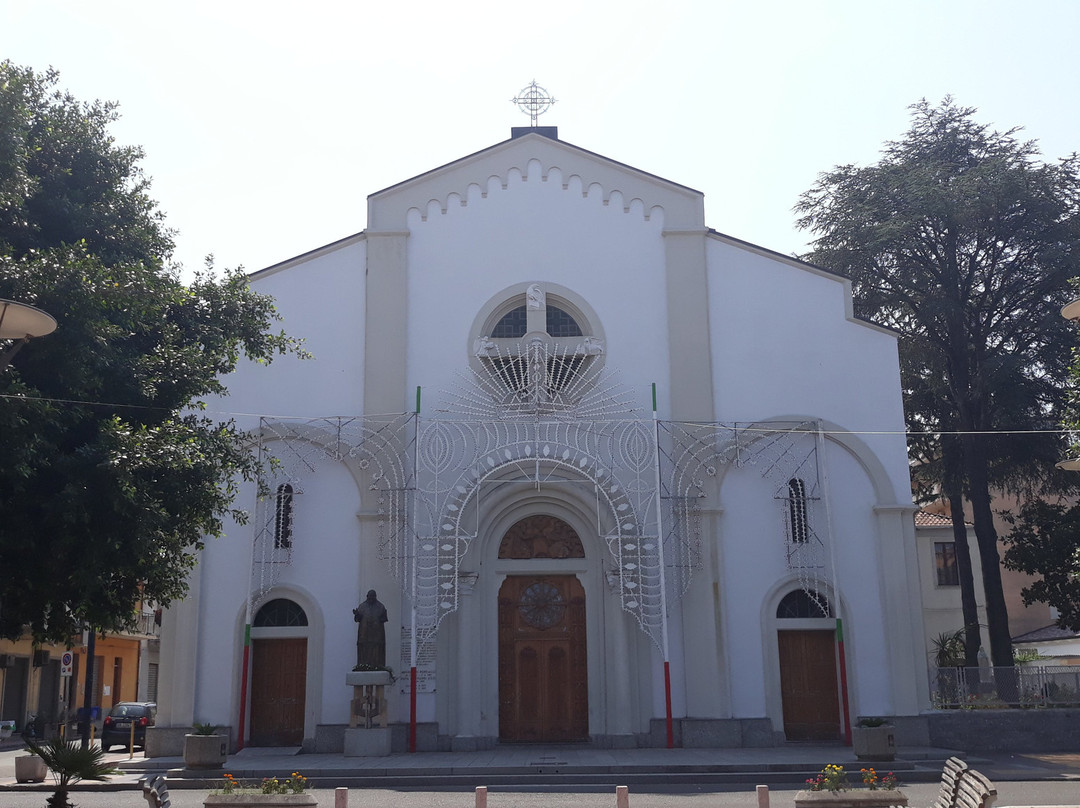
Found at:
[617, 478]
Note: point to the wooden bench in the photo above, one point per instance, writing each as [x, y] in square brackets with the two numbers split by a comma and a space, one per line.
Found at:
[950, 782]
[963, 787]
[156, 792]
[975, 791]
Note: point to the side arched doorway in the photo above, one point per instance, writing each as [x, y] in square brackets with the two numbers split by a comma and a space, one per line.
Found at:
[809, 686]
[278, 675]
[543, 673]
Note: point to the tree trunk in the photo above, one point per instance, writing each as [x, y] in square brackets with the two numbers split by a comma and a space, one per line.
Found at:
[997, 614]
[954, 489]
[972, 635]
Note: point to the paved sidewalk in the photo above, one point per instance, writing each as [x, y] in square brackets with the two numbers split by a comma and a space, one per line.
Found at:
[567, 768]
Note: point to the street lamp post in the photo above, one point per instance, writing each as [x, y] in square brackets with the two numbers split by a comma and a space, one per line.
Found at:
[21, 323]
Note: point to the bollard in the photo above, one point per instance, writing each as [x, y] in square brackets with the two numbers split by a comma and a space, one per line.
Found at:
[762, 797]
[341, 797]
[481, 797]
[622, 797]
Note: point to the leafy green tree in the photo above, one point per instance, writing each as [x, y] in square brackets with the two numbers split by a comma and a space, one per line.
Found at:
[964, 241]
[1045, 542]
[111, 476]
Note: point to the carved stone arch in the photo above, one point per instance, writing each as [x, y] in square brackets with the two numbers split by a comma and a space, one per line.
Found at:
[541, 536]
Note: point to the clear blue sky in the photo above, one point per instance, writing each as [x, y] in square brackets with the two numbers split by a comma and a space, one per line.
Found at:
[266, 124]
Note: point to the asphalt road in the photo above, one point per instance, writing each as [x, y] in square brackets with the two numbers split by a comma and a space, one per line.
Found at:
[1019, 793]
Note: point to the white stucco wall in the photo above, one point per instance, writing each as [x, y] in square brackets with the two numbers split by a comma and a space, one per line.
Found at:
[321, 300]
[783, 344]
[534, 230]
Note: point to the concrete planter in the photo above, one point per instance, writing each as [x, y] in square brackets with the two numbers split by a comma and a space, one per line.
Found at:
[205, 751]
[30, 769]
[259, 800]
[857, 798]
[874, 743]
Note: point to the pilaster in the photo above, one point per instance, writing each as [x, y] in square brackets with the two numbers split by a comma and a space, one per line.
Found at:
[689, 338]
[385, 322]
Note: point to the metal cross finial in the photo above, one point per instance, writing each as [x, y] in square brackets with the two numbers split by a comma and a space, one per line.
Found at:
[534, 101]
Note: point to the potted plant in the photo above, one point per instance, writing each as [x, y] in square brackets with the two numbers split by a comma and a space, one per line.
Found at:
[830, 789]
[873, 739]
[269, 793]
[30, 768]
[204, 748]
[69, 763]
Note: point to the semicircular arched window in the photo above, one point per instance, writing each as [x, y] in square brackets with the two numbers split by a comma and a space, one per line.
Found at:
[278, 613]
[803, 604]
[552, 370]
[541, 537]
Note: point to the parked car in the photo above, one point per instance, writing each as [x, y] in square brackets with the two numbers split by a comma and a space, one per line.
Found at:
[116, 729]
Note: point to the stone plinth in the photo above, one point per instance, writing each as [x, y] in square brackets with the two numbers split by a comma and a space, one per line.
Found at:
[367, 735]
[368, 707]
[373, 742]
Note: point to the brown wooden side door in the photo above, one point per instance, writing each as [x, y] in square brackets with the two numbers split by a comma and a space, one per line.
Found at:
[278, 688]
[543, 681]
[808, 685]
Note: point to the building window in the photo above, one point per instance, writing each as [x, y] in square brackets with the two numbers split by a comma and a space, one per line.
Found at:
[283, 517]
[280, 613]
[945, 563]
[552, 369]
[561, 323]
[801, 604]
[798, 522]
[151, 681]
[511, 325]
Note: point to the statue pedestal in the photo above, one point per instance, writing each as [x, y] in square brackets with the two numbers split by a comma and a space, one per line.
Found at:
[368, 735]
[374, 742]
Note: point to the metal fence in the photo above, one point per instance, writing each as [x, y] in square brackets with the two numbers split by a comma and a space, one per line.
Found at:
[1027, 686]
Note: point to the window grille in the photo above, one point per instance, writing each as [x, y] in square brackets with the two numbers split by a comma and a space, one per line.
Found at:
[280, 612]
[283, 515]
[803, 604]
[151, 681]
[512, 325]
[945, 562]
[799, 522]
[561, 323]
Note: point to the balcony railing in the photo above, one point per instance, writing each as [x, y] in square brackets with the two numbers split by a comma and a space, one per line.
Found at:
[1021, 686]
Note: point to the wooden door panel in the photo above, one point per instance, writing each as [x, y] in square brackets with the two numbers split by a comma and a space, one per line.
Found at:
[543, 679]
[808, 685]
[278, 691]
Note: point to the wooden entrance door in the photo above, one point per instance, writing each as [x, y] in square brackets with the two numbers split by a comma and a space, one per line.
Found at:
[543, 681]
[808, 685]
[278, 687]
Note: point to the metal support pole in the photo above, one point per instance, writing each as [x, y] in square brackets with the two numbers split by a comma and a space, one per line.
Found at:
[669, 723]
[86, 725]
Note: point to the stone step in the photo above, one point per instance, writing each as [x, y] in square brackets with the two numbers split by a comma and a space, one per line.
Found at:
[533, 778]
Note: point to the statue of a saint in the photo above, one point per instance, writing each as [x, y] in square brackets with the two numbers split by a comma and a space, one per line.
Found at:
[370, 634]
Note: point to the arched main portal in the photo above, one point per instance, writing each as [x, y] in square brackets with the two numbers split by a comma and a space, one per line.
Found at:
[809, 686]
[543, 671]
[278, 674]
